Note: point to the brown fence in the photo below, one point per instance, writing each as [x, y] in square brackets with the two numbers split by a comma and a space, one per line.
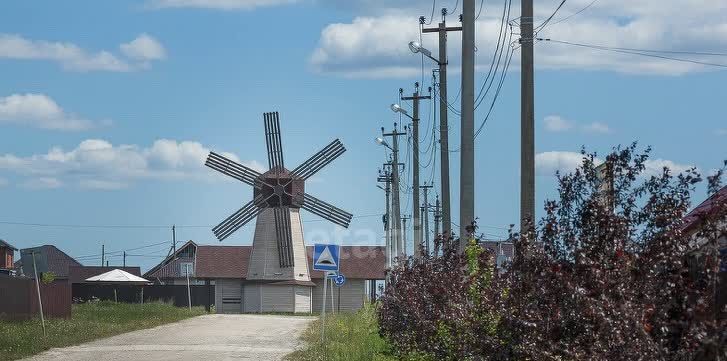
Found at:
[19, 298]
[201, 295]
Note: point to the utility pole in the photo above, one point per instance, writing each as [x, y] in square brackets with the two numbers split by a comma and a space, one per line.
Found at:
[425, 207]
[415, 169]
[385, 177]
[403, 221]
[107, 263]
[124, 258]
[103, 255]
[174, 238]
[527, 117]
[442, 29]
[396, 209]
[467, 148]
[437, 219]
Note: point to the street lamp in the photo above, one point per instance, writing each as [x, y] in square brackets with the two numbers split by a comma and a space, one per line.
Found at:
[381, 141]
[396, 108]
[415, 47]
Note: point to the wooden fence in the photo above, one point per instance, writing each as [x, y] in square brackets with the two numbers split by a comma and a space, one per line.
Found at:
[202, 295]
[19, 298]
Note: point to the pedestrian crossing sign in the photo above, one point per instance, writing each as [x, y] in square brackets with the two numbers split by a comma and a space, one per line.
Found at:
[326, 257]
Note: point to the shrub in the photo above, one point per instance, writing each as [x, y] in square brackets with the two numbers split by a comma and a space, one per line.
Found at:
[605, 275]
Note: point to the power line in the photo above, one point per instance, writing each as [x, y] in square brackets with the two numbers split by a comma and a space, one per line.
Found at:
[574, 14]
[497, 93]
[482, 5]
[637, 52]
[497, 57]
[431, 18]
[541, 26]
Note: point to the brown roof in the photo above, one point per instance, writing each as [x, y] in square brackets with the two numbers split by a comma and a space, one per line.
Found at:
[58, 261]
[78, 274]
[3, 243]
[362, 262]
[704, 210]
[222, 261]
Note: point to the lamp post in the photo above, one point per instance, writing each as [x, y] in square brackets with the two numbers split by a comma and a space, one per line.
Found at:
[395, 223]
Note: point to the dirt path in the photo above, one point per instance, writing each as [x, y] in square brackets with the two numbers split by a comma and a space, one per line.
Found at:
[207, 338]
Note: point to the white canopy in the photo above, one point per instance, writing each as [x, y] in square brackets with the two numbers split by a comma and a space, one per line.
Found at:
[118, 276]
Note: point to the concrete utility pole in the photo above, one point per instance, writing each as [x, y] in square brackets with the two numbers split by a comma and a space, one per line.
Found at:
[415, 170]
[385, 177]
[396, 209]
[124, 258]
[437, 219]
[103, 255]
[442, 29]
[403, 221]
[527, 116]
[467, 148]
[425, 207]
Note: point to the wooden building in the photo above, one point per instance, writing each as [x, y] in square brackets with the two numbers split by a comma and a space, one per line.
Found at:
[228, 267]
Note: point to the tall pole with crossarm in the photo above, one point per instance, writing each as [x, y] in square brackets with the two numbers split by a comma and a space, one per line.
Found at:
[467, 157]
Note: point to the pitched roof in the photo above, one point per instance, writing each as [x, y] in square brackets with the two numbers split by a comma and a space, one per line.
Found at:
[704, 210]
[362, 262]
[168, 268]
[78, 274]
[58, 261]
[3, 243]
[222, 261]
[117, 276]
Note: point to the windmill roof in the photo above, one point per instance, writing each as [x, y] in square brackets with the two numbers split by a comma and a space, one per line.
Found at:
[117, 276]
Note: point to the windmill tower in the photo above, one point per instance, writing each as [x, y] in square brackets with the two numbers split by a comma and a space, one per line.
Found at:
[278, 268]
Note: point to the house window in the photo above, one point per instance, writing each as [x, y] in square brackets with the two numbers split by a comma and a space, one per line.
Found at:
[185, 267]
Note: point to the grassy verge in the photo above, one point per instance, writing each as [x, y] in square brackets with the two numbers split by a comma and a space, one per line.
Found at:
[349, 336]
[88, 322]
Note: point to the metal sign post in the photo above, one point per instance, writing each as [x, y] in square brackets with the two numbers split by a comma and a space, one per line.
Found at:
[326, 258]
[37, 287]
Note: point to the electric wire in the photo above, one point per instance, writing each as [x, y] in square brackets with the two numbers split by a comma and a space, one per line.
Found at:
[633, 52]
[497, 56]
[572, 15]
[482, 5]
[545, 23]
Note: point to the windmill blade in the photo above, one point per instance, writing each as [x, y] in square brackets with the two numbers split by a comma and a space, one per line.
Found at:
[285, 236]
[238, 219]
[326, 210]
[319, 160]
[273, 141]
[231, 168]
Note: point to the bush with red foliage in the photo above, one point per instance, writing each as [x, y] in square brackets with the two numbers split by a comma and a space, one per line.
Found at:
[605, 275]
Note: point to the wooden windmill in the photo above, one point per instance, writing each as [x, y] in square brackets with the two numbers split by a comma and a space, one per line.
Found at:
[279, 194]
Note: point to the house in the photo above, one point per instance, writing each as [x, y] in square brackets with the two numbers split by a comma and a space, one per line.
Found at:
[226, 267]
[59, 262]
[503, 251]
[7, 251]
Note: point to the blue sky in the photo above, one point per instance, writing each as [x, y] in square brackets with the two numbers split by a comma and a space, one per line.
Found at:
[107, 109]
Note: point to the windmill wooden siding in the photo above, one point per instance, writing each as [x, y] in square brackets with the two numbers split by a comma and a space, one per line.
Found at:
[263, 264]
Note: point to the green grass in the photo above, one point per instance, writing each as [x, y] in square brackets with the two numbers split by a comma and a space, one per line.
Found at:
[88, 322]
[349, 336]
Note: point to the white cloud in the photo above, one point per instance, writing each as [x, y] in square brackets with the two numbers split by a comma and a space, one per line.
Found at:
[597, 127]
[98, 164]
[218, 4]
[547, 163]
[555, 123]
[73, 57]
[145, 48]
[43, 183]
[374, 43]
[40, 111]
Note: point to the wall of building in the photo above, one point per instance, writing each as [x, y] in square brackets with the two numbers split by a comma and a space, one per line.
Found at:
[352, 296]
